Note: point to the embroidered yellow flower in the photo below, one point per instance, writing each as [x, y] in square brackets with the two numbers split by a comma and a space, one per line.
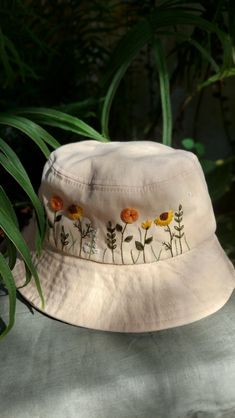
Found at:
[56, 203]
[165, 218]
[129, 215]
[146, 224]
[74, 212]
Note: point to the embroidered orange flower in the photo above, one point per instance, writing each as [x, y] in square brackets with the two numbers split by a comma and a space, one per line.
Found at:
[56, 203]
[165, 218]
[129, 215]
[74, 212]
[146, 225]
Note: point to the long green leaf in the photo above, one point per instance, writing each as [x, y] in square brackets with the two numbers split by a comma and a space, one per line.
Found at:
[205, 54]
[109, 98]
[7, 206]
[16, 237]
[164, 92]
[31, 129]
[221, 75]
[137, 37]
[8, 151]
[27, 187]
[56, 118]
[8, 280]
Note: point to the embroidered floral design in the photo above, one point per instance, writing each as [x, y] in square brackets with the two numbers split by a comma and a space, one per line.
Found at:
[83, 242]
[165, 218]
[63, 238]
[56, 205]
[74, 212]
[90, 247]
[129, 215]
[111, 238]
[140, 246]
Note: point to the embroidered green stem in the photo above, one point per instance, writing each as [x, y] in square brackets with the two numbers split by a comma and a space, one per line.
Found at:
[111, 238]
[79, 226]
[122, 232]
[54, 229]
[169, 245]
[179, 227]
[145, 236]
[104, 255]
[186, 242]
[63, 238]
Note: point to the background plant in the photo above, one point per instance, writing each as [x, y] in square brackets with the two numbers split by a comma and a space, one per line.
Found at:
[73, 70]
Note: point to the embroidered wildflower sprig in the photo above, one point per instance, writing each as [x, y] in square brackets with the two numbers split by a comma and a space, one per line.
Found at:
[56, 205]
[63, 238]
[128, 216]
[164, 220]
[141, 246]
[116, 234]
[111, 238]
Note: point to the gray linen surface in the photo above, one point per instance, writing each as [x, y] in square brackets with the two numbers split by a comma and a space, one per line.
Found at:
[53, 370]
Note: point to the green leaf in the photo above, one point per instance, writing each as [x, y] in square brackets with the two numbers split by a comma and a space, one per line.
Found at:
[7, 206]
[148, 240]
[119, 227]
[31, 129]
[26, 186]
[58, 119]
[8, 280]
[221, 75]
[188, 143]
[141, 33]
[164, 91]
[11, 253]
[139, 246]
[128, 238]
[16, 237]
[110, 96]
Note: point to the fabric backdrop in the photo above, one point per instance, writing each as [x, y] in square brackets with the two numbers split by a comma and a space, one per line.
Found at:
[53, 370]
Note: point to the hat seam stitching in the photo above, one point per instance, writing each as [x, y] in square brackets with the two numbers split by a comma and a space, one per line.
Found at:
[118, 187]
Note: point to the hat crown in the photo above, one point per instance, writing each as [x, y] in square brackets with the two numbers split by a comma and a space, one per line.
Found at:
[125, 202]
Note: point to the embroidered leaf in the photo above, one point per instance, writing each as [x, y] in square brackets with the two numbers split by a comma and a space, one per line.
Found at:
[179, 228]
[139, 246]
[119, 228]
[129, 238]
[58, 218]
[179, 236]
[111, 246]
[109, 227]
[178, 220]
[148, 240]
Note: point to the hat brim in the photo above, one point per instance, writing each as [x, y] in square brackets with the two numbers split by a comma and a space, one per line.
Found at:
[131, 298]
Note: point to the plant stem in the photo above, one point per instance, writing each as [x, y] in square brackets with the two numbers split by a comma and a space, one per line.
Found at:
[80, 225]
[164, 92]
[171, 239]
[54, 232]
[145, 235]
[122, 243]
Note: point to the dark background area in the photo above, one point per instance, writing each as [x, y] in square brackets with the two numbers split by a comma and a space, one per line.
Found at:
[58, 54]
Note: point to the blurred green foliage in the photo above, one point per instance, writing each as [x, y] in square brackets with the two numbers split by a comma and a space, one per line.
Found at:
[104, 70]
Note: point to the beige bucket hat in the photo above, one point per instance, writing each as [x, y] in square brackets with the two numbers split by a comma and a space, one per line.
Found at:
[130, 243]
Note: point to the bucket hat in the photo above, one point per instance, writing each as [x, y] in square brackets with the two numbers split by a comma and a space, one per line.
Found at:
[130, 243]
